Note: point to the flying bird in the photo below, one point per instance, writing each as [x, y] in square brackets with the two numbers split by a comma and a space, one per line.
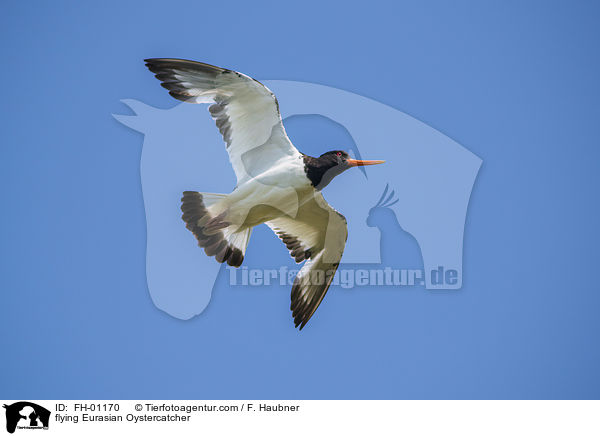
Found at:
[276, 184]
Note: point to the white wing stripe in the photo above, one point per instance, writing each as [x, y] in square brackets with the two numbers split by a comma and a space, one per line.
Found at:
[317, 233]
[246, 112]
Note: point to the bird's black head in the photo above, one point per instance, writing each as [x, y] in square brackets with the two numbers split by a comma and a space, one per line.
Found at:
[321, 170]
[334, 158]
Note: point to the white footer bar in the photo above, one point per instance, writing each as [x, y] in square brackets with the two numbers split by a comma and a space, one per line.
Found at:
[348, 417]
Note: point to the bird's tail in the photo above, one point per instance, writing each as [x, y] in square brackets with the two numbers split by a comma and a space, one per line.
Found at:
[212, 230]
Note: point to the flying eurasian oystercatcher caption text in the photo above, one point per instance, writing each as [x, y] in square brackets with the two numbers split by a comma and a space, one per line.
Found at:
[276, 184]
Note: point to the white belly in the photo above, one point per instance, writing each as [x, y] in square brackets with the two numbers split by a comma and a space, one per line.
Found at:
[279, 191]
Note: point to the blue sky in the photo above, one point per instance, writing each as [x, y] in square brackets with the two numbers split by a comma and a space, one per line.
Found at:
[514, 82]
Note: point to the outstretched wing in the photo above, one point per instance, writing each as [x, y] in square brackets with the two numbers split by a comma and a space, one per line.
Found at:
[317, 233]
[245, 111]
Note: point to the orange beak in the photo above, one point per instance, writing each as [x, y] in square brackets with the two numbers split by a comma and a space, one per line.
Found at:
[360, 163]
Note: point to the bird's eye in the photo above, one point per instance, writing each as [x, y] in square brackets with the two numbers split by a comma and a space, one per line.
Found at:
[339, 153]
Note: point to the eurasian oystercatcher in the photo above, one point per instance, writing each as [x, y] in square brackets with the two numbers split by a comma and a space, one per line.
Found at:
[276, 184]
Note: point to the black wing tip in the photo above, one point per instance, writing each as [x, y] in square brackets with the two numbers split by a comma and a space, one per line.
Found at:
[300, 321]
[301, 313]
[185, 64]
[164, 69]
[303, 309]
[301, 324]
[157, 61]
[301, 318]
